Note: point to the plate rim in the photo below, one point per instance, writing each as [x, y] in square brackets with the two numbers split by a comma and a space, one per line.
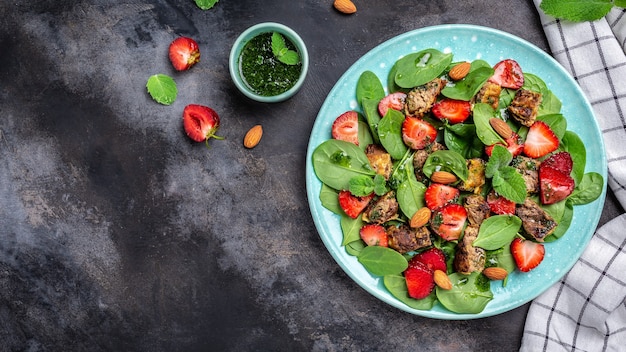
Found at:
[316, 208]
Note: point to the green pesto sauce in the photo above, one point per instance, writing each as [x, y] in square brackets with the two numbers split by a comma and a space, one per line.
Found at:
[262, 72]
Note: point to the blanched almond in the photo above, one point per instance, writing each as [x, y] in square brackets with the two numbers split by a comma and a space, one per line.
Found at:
[443, 177]
[501, 127]
[420, 218]
[442, 280]
[495, 273]
[345, 6]
[253, 137]
[459, 71]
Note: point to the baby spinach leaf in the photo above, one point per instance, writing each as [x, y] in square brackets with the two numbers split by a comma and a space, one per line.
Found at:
[350, 228]
[510, 184]
[369, 86]
[564, 222]
[422, 67]
[461, 138]
[576, 148]
[467, 88]
[355, 247]
[497, 231]
[410, 193]
[482, 113]
[396, 284]
[330, 199]
[446, 160]
[364, 135]
[335, 162]
[370, 110]
[588, 190]
[390, 133]
[469, 294]
[382, 261]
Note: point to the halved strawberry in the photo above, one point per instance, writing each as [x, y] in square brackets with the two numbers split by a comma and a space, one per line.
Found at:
[353, 205]
[374, 235]
[500, 205]
[438, 195]
[513, 144]
[200, 122]
[346, 127]
[433, 258]
[419, 281]
[417, 133]
[448, 221]
[540, 140]
[554, 185]
[508, 74]
[184, 53]
[527, 254]
[561, 161]
[455, 111]
[393, 101]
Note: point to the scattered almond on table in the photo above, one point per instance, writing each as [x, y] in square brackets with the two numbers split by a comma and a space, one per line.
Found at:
[253, 137]
[345, 6]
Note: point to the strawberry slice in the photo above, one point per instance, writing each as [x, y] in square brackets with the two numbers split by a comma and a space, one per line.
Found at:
[448, 221]
[433, 258]
[455, 111]
[200, 122]
[438, 195]
[513, 144]
[418, 133]
[374, 235]
[393, 101]
[508, 74]
[527, 254]
[554, 185]
[346, 127]
[353, 205]
[184, 53]
[419, 281]
[500, 205]
[561, 161]
[540, 140]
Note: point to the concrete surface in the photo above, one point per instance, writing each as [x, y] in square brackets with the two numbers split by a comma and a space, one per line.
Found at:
[117, 233]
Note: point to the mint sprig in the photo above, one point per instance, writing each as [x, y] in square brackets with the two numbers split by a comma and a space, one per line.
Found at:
[206, 4]
[579, 10]
[504, 178]
[162, 88]
[282, 53]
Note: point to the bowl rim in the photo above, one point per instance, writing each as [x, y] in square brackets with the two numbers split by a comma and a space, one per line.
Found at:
[253, 31]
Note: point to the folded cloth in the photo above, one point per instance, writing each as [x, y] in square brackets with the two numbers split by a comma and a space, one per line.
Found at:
[586, 310]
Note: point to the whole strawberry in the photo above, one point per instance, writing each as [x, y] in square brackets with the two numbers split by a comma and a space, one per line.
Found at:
[184, 53]
[200, 122]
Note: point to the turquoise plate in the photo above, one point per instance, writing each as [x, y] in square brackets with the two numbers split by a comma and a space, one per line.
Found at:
[466, 42]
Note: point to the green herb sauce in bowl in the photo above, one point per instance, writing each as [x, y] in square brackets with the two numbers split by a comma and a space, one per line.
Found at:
[268, 62]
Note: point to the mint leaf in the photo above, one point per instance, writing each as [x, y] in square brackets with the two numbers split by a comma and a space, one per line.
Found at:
[620, 3]
[510, 184]
[577, 10]
[162, 88]
[361, 186]
[289, 58]
[380, 185]
[278, 44]
[206, 4]
[500, 157]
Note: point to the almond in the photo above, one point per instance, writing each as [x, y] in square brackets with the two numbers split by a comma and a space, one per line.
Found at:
[345, 6]
[501, 127]
[495, 273]
[420, 218]
[442, 280]
[253, 137]
[459, 71]
[443, 177]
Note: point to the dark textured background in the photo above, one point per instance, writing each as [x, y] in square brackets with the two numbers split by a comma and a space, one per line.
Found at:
[119, 234]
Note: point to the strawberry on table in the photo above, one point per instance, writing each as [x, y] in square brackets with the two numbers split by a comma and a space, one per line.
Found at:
[346, 127]
[419, 280]
[200, 122]
[374, 235]
[448, 221]
[438, 195]
[540, 140]
[417, 133]
[508, 74]
[455, 111]
[527, 254]
[184, 53]
[554, 185]
[353, 205]
[393, 101]
[433, 258]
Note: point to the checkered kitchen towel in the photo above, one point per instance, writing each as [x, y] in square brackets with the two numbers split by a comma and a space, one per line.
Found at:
[586, 310]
